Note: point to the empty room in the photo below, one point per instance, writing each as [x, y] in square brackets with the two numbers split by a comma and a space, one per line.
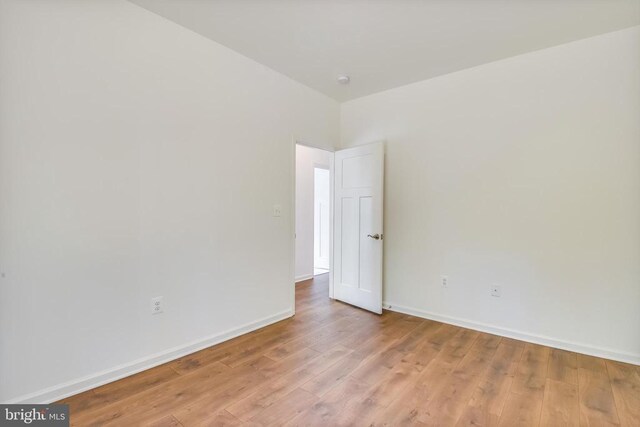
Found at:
[320, 213]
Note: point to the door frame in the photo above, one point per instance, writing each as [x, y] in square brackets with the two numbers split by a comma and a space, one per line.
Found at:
[292, 268]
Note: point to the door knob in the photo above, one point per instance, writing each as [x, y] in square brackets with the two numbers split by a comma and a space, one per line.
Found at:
[375, 236]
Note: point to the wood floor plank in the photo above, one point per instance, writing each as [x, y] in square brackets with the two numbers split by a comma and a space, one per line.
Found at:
[492, 391]
[478, 417]
[166, 421]
[410, 406]
[244, 348]
[597, 405]
[330, 406]
[401, 326]
[442, 335]
[252, 351]
[334, 376]
[357, 412]
[398, 378]
[457, 346]
[283, 350]
[333, 364]
[174, 393]
[591, 363]
[531, 376]
[561, 406]
[118, 390]
[269, 393]
[240, 386]
[187, 405]
[563, 366]
[448, 405]
[286, 408]
[415, 338]
[379, 363]
[221, 419]
[625, 384]
[521, 410]
[422, 356]
[486, 343]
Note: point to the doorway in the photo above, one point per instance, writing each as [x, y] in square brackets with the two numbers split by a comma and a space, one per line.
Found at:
[321, 222]
[312, 213]
[339, 240]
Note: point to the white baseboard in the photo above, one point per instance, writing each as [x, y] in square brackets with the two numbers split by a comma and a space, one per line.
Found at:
[518, 335]
[60, 391]
[304, 277]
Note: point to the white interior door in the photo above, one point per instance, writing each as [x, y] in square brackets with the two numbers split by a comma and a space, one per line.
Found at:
[358, 238]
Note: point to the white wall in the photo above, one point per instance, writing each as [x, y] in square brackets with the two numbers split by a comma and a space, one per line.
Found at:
[307, 159]
[523, 173]
[321, 218]
[137, 159]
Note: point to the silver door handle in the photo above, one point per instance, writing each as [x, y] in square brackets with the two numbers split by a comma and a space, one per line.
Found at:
[375, 236]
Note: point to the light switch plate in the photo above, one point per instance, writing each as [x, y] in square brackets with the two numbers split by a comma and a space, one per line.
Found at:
[277, 210]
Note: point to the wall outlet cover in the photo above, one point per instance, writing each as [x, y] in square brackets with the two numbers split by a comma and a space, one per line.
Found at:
[157, 306]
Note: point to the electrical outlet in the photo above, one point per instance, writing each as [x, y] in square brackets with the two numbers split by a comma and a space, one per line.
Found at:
[496, 291]
[445, 281]
[157, 305]
[277, 210]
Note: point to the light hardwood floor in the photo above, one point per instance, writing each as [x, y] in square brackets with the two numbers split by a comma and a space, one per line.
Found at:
[333, 364]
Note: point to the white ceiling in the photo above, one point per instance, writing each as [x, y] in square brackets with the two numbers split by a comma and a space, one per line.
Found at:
[383, 44]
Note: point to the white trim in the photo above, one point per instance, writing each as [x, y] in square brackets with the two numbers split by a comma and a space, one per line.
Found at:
[332, 211]
[60, 391]
[292, 211]
[304, 277]
[518, 335]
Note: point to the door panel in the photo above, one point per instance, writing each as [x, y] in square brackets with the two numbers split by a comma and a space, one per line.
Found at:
[357, 171]
[367, 249]
[358, 205]
[349, 244]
